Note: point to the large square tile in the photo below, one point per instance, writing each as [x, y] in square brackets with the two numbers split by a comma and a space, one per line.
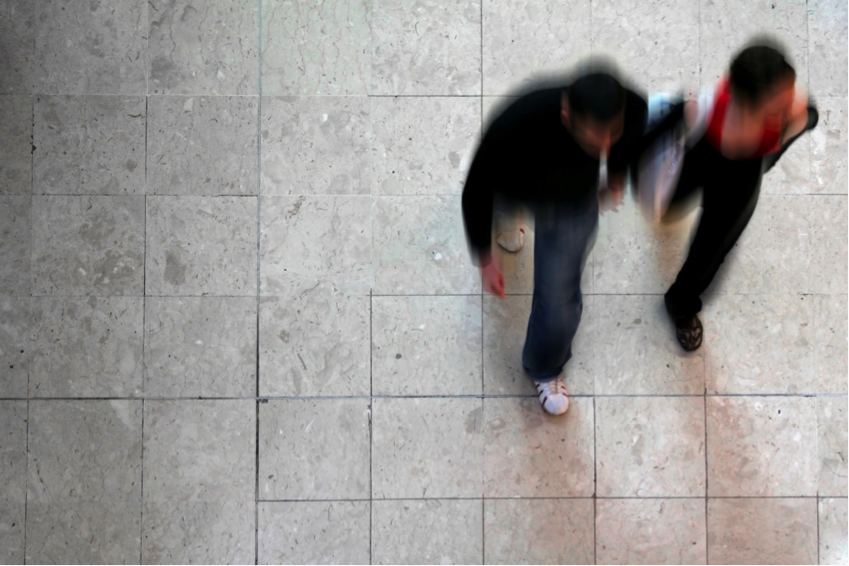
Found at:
[13, 452]
[423, 156]
[830, 348]
[528, 40]
[313, 532]
[426, 47]
[657, 56]
[88, 245]
[636, 352]
[200, 346]
[314, 449]
[314, 344]
[426, 345]
[831, 446]
[203, 48]
[762, 531]
[199, 481]
[202, 146]
[454, 532]
[792, 174]
[427, 448]
[650, 531]
[650, 446]
[316, 49]
[15, 140]
[528, 453]
[538, 531]
[420, 247]
[17, 52]
[832, 531]
[90, 47]
[762, 446]
[89, 145]
[16, 345]
[201, 246]
[87, 347]
[827, 34]
[828, 147]
[828, 236]
[15, 245]
[316, 146]
[12, 525]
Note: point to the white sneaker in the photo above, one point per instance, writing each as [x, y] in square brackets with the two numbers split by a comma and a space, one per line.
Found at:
[511, 241]
[553, 396]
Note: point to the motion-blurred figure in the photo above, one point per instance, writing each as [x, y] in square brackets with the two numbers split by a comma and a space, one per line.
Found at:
[559, 152]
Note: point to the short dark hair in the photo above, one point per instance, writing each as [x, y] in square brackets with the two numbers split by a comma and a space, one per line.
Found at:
[597, 95]
[756, 70]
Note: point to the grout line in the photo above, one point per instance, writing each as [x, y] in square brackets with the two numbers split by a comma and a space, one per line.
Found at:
[371, 431]
[141, 525]
[26, 487]
[707, 561]
[595, 482]
[258, 269]
[552, 498]
[819, 560]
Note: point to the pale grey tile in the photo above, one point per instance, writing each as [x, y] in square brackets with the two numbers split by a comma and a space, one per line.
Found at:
[538, 531]
[423, 146]
[504, 332]
[91, 47]
[650, 446]
[15, 245]
[827, 219]
[200, 346]
[17, 50]
[529, 40]
[831, 446]
[454, 533]
[89, 145]
[316, 49]
[314, 343]
[762, 446]
[650, 531]
[15, 137]
[832, 531]
[12, 524]
[829, 146]
[827, 35]
[426, 47]
[16, 345]
[316, 242]
[202, 145]
[203, 48]
[314, 449]
[87, 347]
[528, 453]
[636, 351]
[762, 531]
[316, 146]
[427, 448]
[307, 532]
[426, 345]
[420, 247]
[830, 337]
[201, 246]
[793, 172]
[13, 452]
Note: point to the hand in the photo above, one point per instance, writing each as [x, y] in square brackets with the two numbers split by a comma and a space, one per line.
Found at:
[492, 277]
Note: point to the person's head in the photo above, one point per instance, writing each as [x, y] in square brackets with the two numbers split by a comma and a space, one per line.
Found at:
[593, 110]
[761, 79]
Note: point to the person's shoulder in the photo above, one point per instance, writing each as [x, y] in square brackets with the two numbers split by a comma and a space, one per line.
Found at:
[516, 112]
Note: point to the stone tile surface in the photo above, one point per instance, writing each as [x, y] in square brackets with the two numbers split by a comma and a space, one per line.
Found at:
[830, 348]
[314, 344]
[13, 451]
[762, 531]
[829, 231]
[16, 345]
[12, 526]
[650, 531]
[201, 246]
[521, 531]
[202, 145]
[792, 174]
[650, 446]
[200, 346]
[15, 140]
[528, 453]
[426, 345]
[17, 51]
[832, 531]
[203, 48]
[316, 146]
[15, 245]
[423, 146]
[832, 442]
[454, 533]
[88, 245]
[827, 60]
[828, 147]
[426, 48]
[427, 448]
[761, 446]
[316, 49]
[314, 532]
[314, 449]
[87, 347]
[316, 242]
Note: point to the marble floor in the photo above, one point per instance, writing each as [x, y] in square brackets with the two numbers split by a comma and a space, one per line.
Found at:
[239, 324]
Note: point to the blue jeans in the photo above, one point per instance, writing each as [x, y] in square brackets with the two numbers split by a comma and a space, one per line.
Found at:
[564, 235]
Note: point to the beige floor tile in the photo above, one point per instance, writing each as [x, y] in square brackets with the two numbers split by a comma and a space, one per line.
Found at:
[828, 235]
[828, 147]
[827, 32]
[832, 531]
[831, 446]
[830, 348]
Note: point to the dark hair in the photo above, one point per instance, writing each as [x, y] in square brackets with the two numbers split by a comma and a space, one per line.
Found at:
[756, 70]
[596, 95]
